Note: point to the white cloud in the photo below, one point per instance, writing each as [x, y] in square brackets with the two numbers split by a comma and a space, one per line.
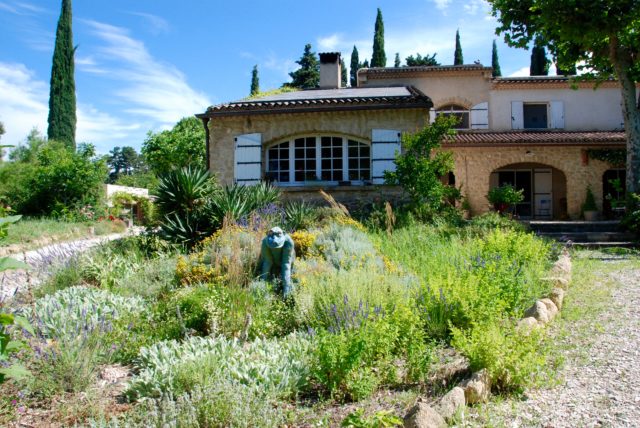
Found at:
[157, 24]
[472, 7]
[522, 72]
[24, 105]
[442, 4]
[149, 87]
[21, 8]
[329, 43]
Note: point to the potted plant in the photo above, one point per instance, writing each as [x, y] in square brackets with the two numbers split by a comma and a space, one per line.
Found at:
[589, 208]
[505, 196]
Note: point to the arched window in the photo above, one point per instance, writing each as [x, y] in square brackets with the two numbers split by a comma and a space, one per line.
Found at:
[328, 158]
[458, 111]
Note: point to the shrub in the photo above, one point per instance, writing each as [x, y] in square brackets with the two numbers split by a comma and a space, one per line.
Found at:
[299, 215]
[303, 241]
[505, 194]
[345, 247]
[269, 368]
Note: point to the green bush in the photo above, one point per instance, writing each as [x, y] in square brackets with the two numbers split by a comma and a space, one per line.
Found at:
[299, 215]
[346, 248]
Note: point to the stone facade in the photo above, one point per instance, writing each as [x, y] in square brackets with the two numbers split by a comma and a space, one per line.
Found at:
[278, 127]
[474, 165]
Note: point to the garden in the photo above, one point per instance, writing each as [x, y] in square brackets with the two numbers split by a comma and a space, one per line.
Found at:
[176, 327]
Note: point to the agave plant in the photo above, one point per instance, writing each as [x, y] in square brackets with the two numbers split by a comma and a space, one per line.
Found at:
[237, 201]
[261, 195]
[184, 190]
[299, 215]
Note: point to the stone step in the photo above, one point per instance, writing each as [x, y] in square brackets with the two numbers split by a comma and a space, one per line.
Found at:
[574, 226]
[622, 244]
[590, 236]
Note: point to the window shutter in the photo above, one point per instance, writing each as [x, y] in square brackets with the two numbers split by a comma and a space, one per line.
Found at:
[480, 116]
[248, 159]
[557, 114]
[517, 115]
[432, 116]
[384, 145]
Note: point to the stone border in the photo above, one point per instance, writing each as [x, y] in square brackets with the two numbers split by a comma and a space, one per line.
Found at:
[477, 388]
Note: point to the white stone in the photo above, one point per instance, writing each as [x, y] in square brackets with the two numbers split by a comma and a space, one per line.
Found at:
[423, 416]
[477, 389]
[539, 312]
[451, 402]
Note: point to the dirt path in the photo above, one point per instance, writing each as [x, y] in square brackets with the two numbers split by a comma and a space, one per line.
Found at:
[44, 259]
[599, 341]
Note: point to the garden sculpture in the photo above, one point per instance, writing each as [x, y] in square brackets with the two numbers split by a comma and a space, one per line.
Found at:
[276, 258]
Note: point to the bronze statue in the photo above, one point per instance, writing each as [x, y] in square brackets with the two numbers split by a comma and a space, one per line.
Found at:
[276, 258]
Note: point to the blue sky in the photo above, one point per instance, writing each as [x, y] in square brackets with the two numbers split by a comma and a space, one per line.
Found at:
[142, 65]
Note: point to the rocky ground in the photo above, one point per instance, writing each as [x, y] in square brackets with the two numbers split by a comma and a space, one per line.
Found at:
[598, 340]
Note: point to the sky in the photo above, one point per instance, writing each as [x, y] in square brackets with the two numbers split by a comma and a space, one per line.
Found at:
[143, 65]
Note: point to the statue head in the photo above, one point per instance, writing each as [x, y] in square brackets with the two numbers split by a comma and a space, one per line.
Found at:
[275, 238]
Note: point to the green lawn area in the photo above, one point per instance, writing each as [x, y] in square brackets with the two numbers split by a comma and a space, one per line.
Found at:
[29, 233]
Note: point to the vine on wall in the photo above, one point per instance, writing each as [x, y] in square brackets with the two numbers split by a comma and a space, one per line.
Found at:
[614, 157]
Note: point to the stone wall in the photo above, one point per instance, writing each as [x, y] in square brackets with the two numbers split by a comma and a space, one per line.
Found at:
[474, 165]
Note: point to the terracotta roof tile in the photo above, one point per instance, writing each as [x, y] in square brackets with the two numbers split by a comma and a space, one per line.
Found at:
[537, 137]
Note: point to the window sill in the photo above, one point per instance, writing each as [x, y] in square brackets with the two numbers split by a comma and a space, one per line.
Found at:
[317, 187]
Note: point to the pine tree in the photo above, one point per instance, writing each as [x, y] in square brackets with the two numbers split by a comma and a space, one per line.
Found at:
[539, 62]
[396, 63]
[62, 92]
[419, 60]
[308, 75]
[365, 64]
[355, 64]
[344, 80]
[457, 56]
[379, 57]
[495, 64]
[255, 81]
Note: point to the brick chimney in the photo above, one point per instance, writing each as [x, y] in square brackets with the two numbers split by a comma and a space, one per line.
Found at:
[330, 70]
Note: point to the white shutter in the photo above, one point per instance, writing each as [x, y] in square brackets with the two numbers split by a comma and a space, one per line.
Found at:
[517, 115]
[384, 145]
[248, 159]
[557, 114]
[432, 116]
[480, 116]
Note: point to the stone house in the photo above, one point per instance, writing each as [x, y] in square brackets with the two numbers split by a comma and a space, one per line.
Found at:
[533, 132]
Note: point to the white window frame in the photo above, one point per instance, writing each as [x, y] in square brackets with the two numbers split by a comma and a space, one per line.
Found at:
[459, 110]
[290, 143]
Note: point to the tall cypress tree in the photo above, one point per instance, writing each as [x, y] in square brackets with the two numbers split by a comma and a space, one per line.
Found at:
[308, 75]
[355, 64]
[396, 62]
[495, 64]
[457, 56]
[539, 62]
[344, 80]
[255, 81]
[365, 64]
[379, 57]
[62, 92]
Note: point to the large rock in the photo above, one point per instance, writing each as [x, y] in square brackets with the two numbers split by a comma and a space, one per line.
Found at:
[525, 325]
[539, 312]
[477, 389]
[450, 404]
[557, 297]
[558, 282]
[423, 416]
[552, 309]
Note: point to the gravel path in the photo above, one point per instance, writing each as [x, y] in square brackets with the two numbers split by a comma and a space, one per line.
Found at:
[43, 260]
[600, 379]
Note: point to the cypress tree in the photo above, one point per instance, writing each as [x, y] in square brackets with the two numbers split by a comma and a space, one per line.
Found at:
[495, 64]
[457, 56]
[308, 75]
[379, 57]
[539, 62]
[355, 64]
[396, 63]
[365, 64]
[344, 80]
[62, 92]
[255, 81]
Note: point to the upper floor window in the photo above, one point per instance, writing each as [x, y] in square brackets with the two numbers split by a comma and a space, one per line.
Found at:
[327, 158]
[534, 116]
[461, 113]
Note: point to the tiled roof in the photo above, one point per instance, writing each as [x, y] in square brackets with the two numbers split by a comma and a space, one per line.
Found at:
[424, 68]
[326, 100]
[481, 138]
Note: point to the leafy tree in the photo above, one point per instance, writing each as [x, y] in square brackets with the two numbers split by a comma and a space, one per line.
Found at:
[495, 64]
[419, 60]
[308, 75]
[255, 82]
[355, 64]
[27, 152]
[539, 62]
[344, 80]
[379, 57]
[602, 33]
[62, 92]
[365, 64]
[457, 56]
[567, 70]
[1, 147]
[123, 161]
[420, 166]
[179, 147]
[396, 62]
